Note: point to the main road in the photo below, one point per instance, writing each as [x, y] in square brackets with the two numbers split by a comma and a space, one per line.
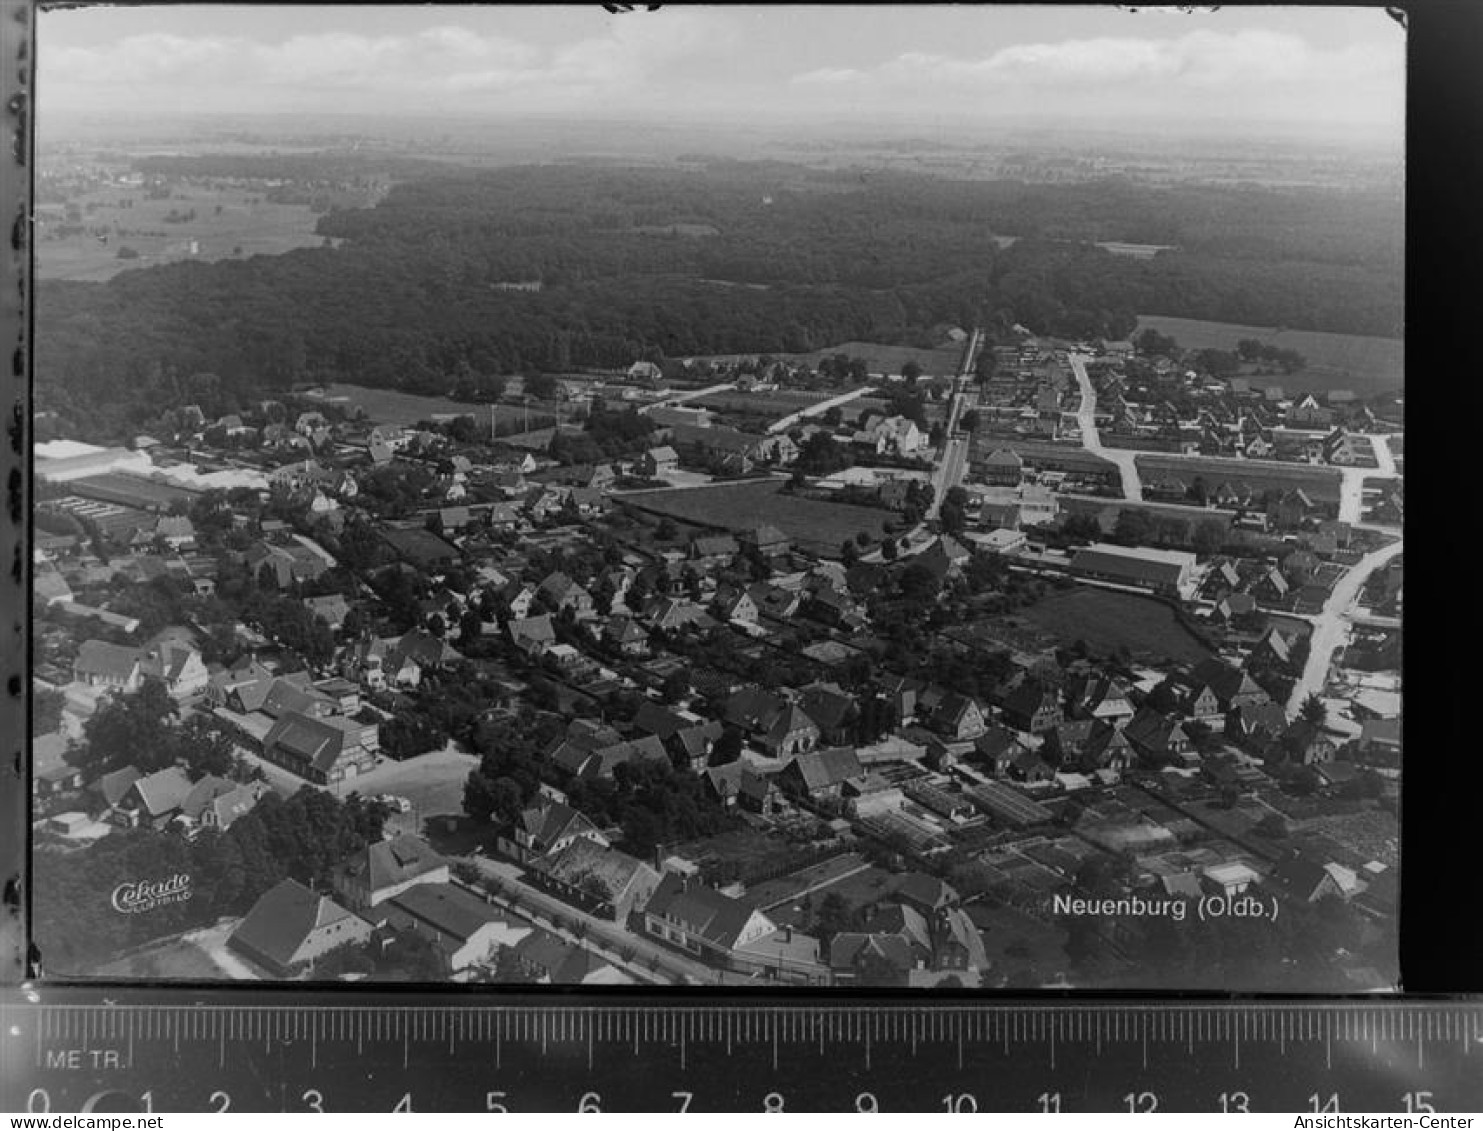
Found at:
[952, 460]
[1330, 626]
[786, 422]
[1091, 439]
[539, 906]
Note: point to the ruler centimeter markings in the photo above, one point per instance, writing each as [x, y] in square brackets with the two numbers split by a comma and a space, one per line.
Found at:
[71, 1051]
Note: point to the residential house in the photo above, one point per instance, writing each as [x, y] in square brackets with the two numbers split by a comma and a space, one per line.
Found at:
[701, 921]
[959, 718]
[996, 749]
[560, 592]
[595, 751]
[1032, 706]
[620, 631]
[547, 828]
[321, 750]
[111, 666]
[154, 800]
[1003, 468]
[386, 869]
[820, 776]
[767, 540]
[1288, 509]
[1094, 695]
[897, 941]
[692, 745]
[51, 774]
[658, 462]
[773, 601]
[832, 710]
[1256, 725]
[1304, 743]
[285, 565]
[1158, 739]
[713, 549]
[1231, 686]
[177, 665]
[466, 930]
[1305, 879]
[596, 878]
[289, 927]
[734, 604]
[215, 803]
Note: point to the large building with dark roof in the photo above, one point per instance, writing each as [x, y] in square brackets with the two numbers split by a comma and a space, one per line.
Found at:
[1159, 571]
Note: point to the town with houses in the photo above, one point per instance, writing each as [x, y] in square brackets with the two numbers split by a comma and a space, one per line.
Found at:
[742, 671]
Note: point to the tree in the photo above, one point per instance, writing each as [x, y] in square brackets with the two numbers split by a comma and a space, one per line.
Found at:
[1134, 527]
[888, 549]
[728, 747]
[204, 747]
[969, 421]
[130, 730]
[849, 553]
[1313, 710]
[46, 712]
[542, 387]
[675, 687]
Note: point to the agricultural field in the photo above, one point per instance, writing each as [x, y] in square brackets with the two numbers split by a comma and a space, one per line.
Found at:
[1107, 619]
[941, 361]
[388, 406]
[230, 222]
[775, 403]
[1335, 361]
[812, 524]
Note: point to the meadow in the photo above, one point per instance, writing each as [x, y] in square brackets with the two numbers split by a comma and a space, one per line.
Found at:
[246, 224]
[810, 523]
[1107, 619]
[1363, 365]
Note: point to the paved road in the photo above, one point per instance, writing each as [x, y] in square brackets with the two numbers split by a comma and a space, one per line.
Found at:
[1091, 439]
[817, 409]
[692, 395]
[536, 904]
[952, 460]
[1330, 627]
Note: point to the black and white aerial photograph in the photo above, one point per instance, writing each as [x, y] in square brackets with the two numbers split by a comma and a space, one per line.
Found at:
[682, 496]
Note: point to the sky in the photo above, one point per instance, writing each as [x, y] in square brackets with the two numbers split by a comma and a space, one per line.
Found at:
[1308, 69]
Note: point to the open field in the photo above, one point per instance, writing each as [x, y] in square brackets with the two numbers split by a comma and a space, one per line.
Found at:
[388, 406]
[239, 230]
[1135, 250]
[1335, 361]
[941, 361]
[748, 851]
[810, 523]
[1106, 619]
[176, 959]
[782, 402]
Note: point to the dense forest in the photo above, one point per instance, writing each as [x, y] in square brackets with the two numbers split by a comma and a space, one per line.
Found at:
[736, 257]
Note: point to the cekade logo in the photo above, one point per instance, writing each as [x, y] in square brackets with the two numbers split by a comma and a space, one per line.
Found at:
[146, 895]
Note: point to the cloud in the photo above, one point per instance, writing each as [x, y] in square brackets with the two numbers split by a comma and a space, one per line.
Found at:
[1200, 60]
[447, 59]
